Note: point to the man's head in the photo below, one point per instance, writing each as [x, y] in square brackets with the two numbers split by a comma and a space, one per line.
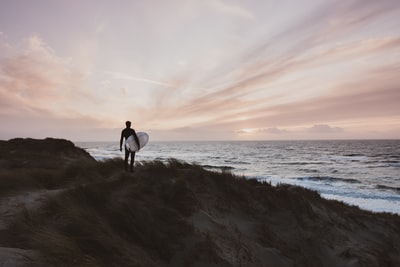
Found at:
[128, 124]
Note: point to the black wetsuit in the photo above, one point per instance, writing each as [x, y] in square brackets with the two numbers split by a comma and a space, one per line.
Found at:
[125, 134]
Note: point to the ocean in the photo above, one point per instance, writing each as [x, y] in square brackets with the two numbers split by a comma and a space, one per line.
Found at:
[365, 173]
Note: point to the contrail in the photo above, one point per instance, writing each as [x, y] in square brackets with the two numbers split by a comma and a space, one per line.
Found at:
[121, 76]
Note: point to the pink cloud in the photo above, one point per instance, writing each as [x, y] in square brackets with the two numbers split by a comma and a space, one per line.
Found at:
[331, 63]
[274, 130]
[323, 128]
[39, 92]
[37, 76]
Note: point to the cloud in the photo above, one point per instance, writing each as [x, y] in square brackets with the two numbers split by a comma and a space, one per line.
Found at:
[43, 95]
[329, 63]
[243, 88]
[375, 95]
[323, 128]
[230, 9]
[258, 131]
[337, 72]
[122, 76]
[323, 29]
[185, 129]
[372, 98]
[274, 130]
[4, 45]
[355, 105]
[37, 78]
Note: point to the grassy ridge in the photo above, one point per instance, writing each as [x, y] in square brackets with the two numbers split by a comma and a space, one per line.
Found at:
[154, 218]
[27, 164]
[126, 221]
[71, 174]
[178, 214]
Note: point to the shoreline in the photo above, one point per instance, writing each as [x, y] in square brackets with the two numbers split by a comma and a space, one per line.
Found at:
[338, 184]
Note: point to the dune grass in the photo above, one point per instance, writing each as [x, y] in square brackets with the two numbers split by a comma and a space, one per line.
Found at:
[104, 216]
[124, 221]
[71, 174]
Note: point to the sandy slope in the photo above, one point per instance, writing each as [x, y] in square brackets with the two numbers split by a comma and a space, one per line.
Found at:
[290, 226]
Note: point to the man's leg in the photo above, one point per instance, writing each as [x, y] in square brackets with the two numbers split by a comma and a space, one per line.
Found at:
[126, 159]
[132, 160]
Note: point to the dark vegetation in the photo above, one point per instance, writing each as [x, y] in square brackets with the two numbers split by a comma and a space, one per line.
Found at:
[178, 214]
[125, 221]
[43, 164]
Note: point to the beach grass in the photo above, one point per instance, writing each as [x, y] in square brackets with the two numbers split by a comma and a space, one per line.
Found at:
[172, 213]
[109, 222]
[71, 174]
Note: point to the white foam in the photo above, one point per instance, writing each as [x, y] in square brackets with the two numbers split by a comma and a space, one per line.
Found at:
[377, 205]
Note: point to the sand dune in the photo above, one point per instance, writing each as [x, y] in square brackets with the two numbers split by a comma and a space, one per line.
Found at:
[59, 207]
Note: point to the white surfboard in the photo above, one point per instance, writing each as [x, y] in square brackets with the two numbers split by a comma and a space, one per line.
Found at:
[131, 145]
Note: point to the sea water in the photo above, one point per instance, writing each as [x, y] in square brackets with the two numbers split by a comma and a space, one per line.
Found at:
[365, 173]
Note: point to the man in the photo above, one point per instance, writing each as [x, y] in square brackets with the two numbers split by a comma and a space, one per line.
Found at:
[128, 131]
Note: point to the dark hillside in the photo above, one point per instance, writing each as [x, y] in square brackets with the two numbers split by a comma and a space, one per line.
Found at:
[46, 153]
[179, 214]
[41, 164]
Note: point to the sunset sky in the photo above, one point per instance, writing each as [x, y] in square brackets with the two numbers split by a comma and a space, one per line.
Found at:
[200, 69]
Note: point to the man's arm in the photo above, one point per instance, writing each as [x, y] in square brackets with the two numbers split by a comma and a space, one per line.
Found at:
[120, 141]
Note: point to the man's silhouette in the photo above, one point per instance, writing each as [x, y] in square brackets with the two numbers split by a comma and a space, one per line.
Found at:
[128, 131]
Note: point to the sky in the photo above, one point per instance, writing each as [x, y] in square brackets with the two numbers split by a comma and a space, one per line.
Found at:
[200, 69]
